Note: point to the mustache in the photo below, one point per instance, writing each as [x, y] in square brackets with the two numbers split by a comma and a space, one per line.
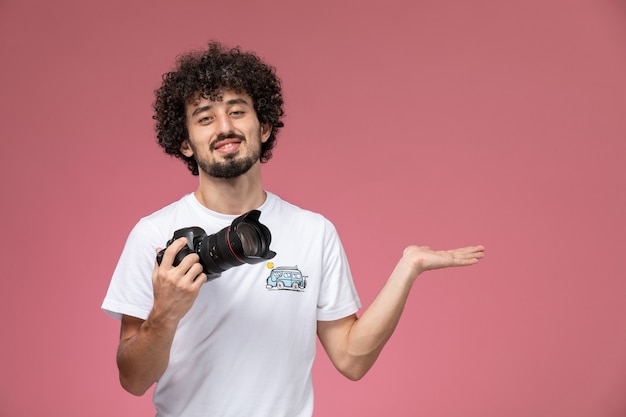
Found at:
[228, 135]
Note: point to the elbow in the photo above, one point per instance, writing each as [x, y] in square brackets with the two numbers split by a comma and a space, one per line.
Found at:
[354, 376]
[355, 370]
[355, 365]
[134, 380]
[132, 387]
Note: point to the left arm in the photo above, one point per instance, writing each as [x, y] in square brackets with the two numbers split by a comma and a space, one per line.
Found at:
[353, 344]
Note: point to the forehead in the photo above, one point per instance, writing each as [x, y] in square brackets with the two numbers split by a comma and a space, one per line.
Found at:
[219, 97]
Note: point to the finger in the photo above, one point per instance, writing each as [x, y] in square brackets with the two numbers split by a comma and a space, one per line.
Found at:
[465, 253]
[194, 276]
[468, 259]
[191, 263]
[172, 250]
[470, 249]
[472, 259]
[477, 249]
[466, 262]
[193, 271]
[464, 256]
[201, 279]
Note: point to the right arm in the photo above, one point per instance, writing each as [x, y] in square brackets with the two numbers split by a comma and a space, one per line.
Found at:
[144, 348]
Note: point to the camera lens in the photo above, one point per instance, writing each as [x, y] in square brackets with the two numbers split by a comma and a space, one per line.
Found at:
[250, 239]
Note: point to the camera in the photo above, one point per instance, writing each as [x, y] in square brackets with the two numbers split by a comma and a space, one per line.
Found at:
[245, 241]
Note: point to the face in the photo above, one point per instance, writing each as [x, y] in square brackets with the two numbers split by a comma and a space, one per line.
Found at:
[225, 135]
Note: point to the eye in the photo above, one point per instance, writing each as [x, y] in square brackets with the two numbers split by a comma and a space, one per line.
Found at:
[205, 120]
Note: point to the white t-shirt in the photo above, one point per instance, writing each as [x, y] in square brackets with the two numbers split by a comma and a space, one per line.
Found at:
[246, 347]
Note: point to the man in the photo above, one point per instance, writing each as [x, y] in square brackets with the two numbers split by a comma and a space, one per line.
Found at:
[237, 345]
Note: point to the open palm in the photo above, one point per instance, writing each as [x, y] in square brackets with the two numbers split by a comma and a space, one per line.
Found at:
[424, 259]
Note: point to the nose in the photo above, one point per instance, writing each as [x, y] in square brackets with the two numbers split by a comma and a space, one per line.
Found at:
[224, 124]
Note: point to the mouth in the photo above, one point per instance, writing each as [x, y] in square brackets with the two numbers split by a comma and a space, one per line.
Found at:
[228, 145]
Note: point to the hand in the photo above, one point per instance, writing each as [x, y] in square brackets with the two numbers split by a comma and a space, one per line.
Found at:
[176, 287]
[422, 258]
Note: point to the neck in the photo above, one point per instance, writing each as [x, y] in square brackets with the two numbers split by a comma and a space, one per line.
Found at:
[232, 196]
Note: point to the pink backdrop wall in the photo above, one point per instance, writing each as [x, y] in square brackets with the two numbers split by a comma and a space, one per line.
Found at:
[444, 123]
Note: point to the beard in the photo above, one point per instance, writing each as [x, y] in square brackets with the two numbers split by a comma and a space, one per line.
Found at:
[233, 166]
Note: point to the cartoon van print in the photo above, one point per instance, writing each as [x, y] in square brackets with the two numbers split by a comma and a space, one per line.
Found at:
[286, 278]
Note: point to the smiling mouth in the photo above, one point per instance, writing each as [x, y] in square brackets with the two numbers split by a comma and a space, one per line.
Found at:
[226, 145]
[227, 142]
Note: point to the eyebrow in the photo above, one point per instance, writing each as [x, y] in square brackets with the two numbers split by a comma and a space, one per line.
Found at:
[230, 102]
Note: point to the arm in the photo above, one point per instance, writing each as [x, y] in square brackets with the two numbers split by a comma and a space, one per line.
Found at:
[144, 348]
[353, 344]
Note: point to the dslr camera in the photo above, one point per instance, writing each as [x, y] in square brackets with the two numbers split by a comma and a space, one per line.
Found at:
[245, 241]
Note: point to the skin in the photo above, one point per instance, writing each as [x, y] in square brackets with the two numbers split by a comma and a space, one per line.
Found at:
[352, 343]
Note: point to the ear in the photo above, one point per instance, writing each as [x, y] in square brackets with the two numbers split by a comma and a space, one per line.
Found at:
[266, 131]
[185, 149]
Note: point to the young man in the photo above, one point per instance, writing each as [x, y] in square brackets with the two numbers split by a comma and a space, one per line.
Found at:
[238, 345]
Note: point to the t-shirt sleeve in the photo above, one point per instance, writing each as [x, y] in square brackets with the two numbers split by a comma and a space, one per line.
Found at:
[130, 291]
[338, 297]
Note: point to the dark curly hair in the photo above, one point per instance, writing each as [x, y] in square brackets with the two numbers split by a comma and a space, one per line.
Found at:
[205, 74]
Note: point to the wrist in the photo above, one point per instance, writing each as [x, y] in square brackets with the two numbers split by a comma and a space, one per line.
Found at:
[406, 271]
[160, 324]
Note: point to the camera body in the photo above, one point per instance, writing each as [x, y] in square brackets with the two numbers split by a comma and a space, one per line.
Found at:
[245, 241]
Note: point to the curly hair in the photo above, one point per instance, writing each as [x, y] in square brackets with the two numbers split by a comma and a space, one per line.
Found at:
[206, 74]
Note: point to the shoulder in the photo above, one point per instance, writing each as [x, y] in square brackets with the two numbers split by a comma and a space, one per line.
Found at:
[282, 210]
[160, 224]
[184, 207]
[183, 204]
[285, 217]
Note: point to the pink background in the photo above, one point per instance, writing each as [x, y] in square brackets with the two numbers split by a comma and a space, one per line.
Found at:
[444, 123]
